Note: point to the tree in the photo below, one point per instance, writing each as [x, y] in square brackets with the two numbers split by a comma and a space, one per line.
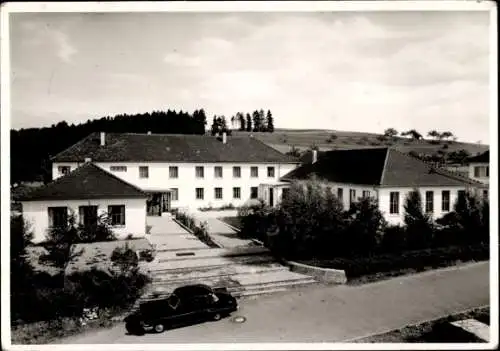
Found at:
[256, 121]
[446, 135]
[390, 132]
[293, 152]
[215, 126]
[262, 121]
[249, 123]
[413, 134]
[241, 119]
[434, 134]
[419, 228]
[269, 122]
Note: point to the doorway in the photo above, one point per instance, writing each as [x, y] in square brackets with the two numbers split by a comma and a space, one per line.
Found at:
[157, 203]
[271, 197]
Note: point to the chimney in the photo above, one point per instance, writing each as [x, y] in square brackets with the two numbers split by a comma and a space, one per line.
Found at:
[224, 137]
[314, 156]
[149, 132]
[103, 138]
[88, 159]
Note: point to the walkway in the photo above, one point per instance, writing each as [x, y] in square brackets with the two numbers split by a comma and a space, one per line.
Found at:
[331, 314]
[166, 234]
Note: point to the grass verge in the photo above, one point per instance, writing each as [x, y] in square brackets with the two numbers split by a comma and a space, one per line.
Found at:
[437, 331]
[232, 221]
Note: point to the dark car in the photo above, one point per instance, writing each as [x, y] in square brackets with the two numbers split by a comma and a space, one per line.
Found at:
[185, 305]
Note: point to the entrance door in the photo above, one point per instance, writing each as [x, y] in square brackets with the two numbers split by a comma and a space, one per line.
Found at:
[271, 197]
[154, 204]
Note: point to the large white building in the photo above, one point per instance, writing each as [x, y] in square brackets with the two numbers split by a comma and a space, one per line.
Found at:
[175, 170]
[381, 173]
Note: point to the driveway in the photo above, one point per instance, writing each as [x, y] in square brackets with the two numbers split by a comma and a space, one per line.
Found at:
[330, 314]
[167, 234]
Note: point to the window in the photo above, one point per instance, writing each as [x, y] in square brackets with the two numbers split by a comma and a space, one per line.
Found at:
[236, 172]
[270, 172]
[116, 214]
[254, 172]
[58, 216]
[340, 194]
[481, 171]
[174, 194]
[461, 194]
[200, 172]
[200, 194]
[218, 193]
[445, 201]
[429, 201]
[236, 193]
[394, 202]
[254, 192]
[285, 193]
[352, 196]
[366, 193]
[485, 194]
[63, 170]
[118, 168]
[143, 172]
[87, 215]
[218, 172]
[173, 172]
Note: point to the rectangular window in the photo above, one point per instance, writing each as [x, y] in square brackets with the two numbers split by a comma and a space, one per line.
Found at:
[366, 193]
[445, 201]
[118, 168]
[254, 192]
[270, 172]
[87, 215]
[58, 216]
[429, 201]
[461, 193]
[352, 196]
[237, 172]
[173, 172]
[63, 170]
[143, 172]
[174, 194]
[340, 194]
[200, 194]
[116, 214]
[200, 172]
[236, 193]
[218, 172]
[254, 172]
[394, 202]
[481, 171]
[218, 193]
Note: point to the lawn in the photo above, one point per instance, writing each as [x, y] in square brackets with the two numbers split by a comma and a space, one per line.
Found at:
[437, 331]
[232, 221]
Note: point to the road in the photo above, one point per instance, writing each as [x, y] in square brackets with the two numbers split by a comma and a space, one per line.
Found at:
[331, 313]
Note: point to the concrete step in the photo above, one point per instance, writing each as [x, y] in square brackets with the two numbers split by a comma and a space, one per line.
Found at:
[475, 327]
[187, 265]
[163, 255]
[217, 271]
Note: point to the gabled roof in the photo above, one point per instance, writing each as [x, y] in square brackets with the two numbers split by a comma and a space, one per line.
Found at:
[86, 182]
[384, 166]
[481, 158]
[129, 147]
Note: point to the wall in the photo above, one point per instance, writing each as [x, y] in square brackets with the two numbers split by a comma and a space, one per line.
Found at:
[484, 180]
[187, 182]
[384, 198]
[36, 212]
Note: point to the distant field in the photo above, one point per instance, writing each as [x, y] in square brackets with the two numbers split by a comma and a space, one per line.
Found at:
[284, 139]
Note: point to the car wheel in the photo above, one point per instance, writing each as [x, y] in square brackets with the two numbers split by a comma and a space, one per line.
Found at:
[159, 328]
[134, 329]
[216, 316]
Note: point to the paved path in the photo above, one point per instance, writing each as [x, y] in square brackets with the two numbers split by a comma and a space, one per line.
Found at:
[331, 314]
[167, 234]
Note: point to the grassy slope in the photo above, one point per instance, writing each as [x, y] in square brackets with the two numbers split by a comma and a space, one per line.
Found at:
[284, 139]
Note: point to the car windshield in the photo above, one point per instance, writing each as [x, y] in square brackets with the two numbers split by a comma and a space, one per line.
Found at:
[188, 291]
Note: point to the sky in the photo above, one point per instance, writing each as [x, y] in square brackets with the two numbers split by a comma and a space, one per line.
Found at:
[353, 71]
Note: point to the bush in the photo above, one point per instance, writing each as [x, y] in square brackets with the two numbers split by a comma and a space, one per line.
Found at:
[147, 255]
[125, 258]
[419, 227]
[418, 260]
[393, 239]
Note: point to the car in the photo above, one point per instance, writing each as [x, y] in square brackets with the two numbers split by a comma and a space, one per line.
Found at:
[185, 305]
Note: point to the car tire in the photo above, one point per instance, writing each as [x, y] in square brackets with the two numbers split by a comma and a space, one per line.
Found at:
[159, 328]
[134, 329]
[216, 316]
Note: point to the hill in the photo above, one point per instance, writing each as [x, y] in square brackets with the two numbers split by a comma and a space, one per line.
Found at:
[285, 139]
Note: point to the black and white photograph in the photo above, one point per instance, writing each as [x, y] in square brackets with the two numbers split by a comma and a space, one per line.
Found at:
[249, 175]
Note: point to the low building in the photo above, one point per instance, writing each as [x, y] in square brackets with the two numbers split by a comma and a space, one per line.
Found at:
[384, 174]
[479, 167]
[88, 192]
[179, 171]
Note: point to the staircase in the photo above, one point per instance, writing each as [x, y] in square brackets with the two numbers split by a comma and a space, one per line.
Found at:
[244, 271]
